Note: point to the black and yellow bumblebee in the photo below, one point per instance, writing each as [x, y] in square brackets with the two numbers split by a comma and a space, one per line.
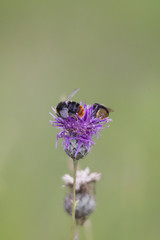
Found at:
[70, 108]
[100, 111]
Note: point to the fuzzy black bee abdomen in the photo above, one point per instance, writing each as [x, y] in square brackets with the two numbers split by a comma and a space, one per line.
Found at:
[73, 107]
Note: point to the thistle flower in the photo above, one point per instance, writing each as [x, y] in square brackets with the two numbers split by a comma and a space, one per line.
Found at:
[77, 133]
[85, 194]
[83, 179]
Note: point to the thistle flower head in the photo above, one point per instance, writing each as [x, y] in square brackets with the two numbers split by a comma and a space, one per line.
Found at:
[83, 179]
[85, 198]
[77, 133]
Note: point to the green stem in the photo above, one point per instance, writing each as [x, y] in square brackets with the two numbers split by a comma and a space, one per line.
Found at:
[75, 163]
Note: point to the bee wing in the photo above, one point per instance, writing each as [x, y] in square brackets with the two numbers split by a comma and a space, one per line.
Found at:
[72, 94]
[110, 109]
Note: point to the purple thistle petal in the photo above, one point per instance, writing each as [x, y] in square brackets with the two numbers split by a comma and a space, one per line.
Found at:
[80, 143]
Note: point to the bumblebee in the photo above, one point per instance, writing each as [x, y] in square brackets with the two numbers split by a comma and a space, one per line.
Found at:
[70, 108]
[100, 111]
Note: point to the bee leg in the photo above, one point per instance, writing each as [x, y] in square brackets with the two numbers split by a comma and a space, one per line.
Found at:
[73, 116]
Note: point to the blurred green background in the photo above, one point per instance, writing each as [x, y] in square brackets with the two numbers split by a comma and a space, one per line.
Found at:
[111, 50]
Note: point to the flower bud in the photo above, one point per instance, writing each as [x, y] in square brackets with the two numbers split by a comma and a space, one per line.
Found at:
[85, 205]
[77, 150]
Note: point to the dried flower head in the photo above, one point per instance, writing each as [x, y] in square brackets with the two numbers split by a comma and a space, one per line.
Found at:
[83, 179]
[78, 132]
[85, 197]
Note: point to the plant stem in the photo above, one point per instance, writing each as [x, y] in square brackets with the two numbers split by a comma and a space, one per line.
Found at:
[88, 230]
[75, 163]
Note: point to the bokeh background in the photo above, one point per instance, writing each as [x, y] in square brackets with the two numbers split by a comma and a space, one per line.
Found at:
[110, 49]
